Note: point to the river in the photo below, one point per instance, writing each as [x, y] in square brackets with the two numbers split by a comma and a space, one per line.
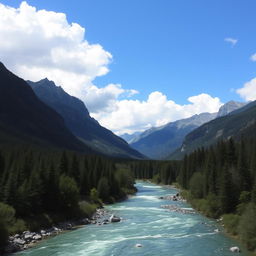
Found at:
[159, 231]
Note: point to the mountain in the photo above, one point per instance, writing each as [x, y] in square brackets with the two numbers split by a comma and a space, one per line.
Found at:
[230, 107]
[26, 119]
[80, 123]
[130, 138]
[241, 122]
[158, 142]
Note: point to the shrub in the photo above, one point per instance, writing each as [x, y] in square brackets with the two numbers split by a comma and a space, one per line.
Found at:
[103, 189]
[69, 193]
[196, 185]
[17, 227]
[87, 209]
[7, 214]
[247, 226]
[231, 222]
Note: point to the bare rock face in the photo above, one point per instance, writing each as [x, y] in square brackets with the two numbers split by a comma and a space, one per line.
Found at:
[230, 107]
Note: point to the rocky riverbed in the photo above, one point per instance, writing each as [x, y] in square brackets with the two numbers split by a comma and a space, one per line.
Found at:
[28, 239]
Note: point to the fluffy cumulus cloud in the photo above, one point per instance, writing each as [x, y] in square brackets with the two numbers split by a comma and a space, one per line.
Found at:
[248, 91]
[38, 43]
[132, 115]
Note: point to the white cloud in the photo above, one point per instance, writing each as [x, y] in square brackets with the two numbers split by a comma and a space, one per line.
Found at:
[133, 115]
[35, 44]
[233, 41]
[253, 57]
[38, 43]
[248, 91]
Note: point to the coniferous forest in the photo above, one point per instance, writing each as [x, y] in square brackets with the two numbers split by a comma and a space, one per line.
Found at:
[39, 188]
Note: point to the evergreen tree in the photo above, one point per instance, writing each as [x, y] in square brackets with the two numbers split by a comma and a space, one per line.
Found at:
[103, 189]
[244, 179]
[227, 201]
[75, 170]
[69, 193]
[64, 165]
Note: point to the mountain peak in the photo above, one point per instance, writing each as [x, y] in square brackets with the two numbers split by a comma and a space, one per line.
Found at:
[229, 107]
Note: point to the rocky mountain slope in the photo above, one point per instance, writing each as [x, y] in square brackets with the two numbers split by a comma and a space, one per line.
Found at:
[80, 123]
[26, 119]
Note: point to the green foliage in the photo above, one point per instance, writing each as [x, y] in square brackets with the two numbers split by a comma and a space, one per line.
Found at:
[247, 226]
[231, 222]
[69, 193]
[7, 214]
[17, 227]
[103, 189]
[94, 195]
[244, 199]
[196, 185]
[209, 206]
[87, 209]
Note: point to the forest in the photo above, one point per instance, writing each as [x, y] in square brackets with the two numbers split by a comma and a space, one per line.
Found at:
[39, 188]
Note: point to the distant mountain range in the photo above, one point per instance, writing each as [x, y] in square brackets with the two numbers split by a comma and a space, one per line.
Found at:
[130, 138]
[241, 122]
[80, 123]
[160, 142]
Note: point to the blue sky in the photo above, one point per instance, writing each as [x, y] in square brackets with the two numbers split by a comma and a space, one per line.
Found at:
[176, 47]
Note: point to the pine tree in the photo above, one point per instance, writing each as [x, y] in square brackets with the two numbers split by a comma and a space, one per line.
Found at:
[244, 182]
[64, 165]
[103, 189]
[75, 169]
[227, 200]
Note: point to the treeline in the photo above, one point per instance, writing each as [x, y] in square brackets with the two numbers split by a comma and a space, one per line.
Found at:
[40, 187]
[164, 172]
[221, 181]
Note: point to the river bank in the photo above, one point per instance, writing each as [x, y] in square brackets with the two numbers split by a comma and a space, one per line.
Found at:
[28, 239]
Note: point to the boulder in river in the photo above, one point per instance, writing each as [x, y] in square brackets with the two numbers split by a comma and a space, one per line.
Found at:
[114, 218]
[235, 249]
[138, 245]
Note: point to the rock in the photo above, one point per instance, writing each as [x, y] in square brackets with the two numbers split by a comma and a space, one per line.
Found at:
[37, 237]
[114, 218]
[17, 236]
[234, 249]
[19, 241]
[86, 221]
[25, 247]
[175, 208]
[216, 230]
[138, 245]
[43, 232]
[28, 236]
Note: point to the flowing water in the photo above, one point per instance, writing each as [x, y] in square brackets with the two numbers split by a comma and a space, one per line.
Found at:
[160, 232]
